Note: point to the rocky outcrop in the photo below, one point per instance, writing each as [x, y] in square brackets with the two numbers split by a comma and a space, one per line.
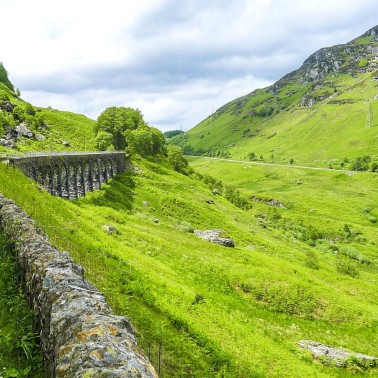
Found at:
[215, 236]
[80, 336]
[12, 135]
[8, 143]
[337, 357]
[23, 131]
[270, 202]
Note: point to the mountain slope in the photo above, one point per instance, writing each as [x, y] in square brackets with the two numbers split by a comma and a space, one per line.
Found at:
[203, 310]
[207, 310]
[325, 111]
[24, 127]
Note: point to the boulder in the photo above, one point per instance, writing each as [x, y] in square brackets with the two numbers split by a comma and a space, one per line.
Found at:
[39, 137]
[335, 356]
[110, 229]
[8, 143]
[6, 106]
[215, 236]
[23, 131]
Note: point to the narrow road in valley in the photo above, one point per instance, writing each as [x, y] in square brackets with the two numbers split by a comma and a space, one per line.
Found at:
[275, 165]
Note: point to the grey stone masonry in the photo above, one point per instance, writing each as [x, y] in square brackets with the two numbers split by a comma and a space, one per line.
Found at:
[337, 356]
[71, 175]
[80, 336]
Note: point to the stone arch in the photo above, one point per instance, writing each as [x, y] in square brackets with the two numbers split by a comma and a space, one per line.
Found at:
[65, 177]
[88, 175]
[109, 167]
[71, 175]
[103, 171]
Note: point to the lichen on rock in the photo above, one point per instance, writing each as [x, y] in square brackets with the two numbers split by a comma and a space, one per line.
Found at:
[80, 337]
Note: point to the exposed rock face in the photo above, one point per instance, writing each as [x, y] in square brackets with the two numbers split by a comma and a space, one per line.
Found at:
[20, 131]
[215, 236]
[80, 336]
[353, 58]
[270, 202]
[8, 143]
[6, 106]
[23, 131]
[336, 356]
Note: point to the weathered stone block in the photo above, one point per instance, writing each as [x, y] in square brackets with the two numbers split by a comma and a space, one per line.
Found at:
[80, 337]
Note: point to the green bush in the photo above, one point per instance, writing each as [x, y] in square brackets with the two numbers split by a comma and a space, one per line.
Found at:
[311, 260]
[345, 266]
[372, 219]
[363, 62]
[234, 196]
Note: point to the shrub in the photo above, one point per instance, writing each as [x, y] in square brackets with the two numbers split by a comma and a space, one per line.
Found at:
[363, 62]
[176, 159]
[252, 156]
[234, 196]
[372, 219]
[311, 260]
[345, 266]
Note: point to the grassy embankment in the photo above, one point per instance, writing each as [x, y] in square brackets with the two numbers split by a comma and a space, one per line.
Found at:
[213, 311]
[19, 351]
[55, 126]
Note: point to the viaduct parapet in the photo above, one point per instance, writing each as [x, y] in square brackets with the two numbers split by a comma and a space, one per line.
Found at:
[71, 175]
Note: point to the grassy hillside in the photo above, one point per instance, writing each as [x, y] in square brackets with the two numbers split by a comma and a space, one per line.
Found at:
[211, 311]
[325, 113]
[55, 130]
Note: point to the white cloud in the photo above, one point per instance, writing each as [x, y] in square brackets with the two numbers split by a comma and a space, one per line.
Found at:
[176, 61]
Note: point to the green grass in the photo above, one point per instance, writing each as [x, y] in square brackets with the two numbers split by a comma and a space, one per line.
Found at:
[56, 126]
[272, 123]
[20, 355]
[214, 311]
[325, 199]
[76, 129]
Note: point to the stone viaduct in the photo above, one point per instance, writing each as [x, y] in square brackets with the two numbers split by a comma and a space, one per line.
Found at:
[71, 175]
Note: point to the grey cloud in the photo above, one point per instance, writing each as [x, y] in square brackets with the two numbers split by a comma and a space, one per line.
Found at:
[187, 53]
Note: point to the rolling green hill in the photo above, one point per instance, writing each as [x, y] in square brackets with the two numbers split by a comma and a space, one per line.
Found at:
[215, 311]
[325, 113]
[48, 129]
[305, 262]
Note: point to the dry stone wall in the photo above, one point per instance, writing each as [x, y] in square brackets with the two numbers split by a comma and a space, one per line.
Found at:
[80, 337]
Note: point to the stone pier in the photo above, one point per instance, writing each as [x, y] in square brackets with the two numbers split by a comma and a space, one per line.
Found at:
[71, 175]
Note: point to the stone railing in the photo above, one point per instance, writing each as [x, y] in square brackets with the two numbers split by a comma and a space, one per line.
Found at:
[80, 337]
[71, 175]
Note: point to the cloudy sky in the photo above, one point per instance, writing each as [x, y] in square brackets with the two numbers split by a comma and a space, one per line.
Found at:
[175, 60]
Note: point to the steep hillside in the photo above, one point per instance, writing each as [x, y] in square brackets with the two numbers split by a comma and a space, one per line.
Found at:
[204, 310]
[305, 261]
[24, 127]
[322, 113]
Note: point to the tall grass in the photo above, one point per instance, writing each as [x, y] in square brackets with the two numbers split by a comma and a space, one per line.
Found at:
[199, 309]
[20, 355]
